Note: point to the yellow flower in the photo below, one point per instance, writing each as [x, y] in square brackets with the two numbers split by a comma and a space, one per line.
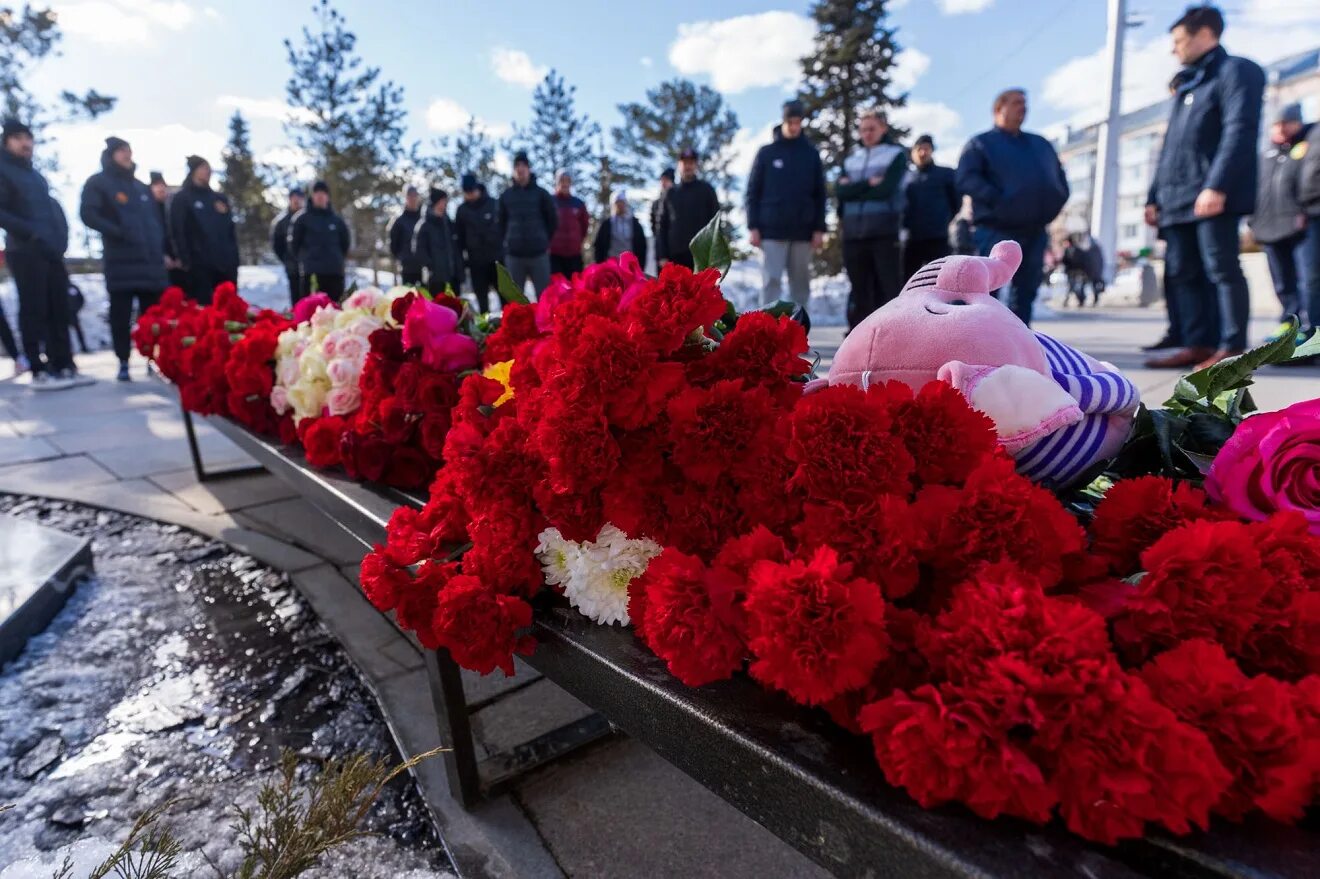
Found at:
[500, 372]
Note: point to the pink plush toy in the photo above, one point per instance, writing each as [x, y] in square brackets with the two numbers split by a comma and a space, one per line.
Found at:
[1057, 410]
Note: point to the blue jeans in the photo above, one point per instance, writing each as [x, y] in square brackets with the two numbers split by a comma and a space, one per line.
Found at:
[1026, 283]
[1285, 258]
[1204, 272]
[1311, 272]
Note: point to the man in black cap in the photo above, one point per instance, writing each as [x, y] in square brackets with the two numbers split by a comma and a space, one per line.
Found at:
[931, 204]
[433, 245]
[786, 207]
[36, 236]
[657, 206]
[120, 207]
[528, 220]
[279, 242]
[160, 194]
[479, 239]
[202, 228]
[401, 237]
[319, 242]
[870, 192]
[684, 211]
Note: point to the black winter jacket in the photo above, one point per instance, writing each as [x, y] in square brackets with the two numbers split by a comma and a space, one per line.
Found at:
[600, 246]
[1308, 184]
[401, 239]
[120, 207]
[932, 202]
[684, 211]
[319, 241]
[1279, 212]
[279, 239]
[1015, 180]
[433, 248]
[30, 217]
[202, 229]
[477, 228]
[1211, 139]
[786, 190]
[528, 219]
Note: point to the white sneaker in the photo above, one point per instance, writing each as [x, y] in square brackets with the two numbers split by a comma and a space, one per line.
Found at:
[75, 378]
[44, 381]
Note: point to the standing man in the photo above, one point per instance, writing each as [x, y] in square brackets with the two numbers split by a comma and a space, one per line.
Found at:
[279, 242]
[685, 209]
[1308, 154]
[1017, 187]
[870, 193]
[319, 241]
[527, 223]
[571, 230]
[160, 193]
[121, 207]
[36, 236]
[786, 207]
[1205, 182]
[620, 232]
[433, 245]
[1279, 223]
[401, 237]
[480, 243]
[657, 206]
[931, 203]
[202, 228]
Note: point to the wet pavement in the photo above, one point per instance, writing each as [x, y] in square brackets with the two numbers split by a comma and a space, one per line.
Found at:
[180, 673]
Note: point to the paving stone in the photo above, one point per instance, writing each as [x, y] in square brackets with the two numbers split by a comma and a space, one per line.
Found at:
[15, 450]
[524, 715]
[164, 456]
[127, 429]
[226, 495]
[618, 806]
[371, 641]
[477, 688]
[268, 550]
[308, 527]
[38, 478]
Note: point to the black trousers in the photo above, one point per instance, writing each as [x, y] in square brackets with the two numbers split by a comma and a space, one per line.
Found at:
[873, 266]
[330, 285]
[202, 281]
[121, 317]
[410, 277]
[482, 276]
[295, 284]
[683, 259]
[43, 310]
[565, 265]
[917, 253]
[7, 337]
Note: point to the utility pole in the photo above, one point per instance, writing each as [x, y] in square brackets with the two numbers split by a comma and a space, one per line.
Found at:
[1104, 198]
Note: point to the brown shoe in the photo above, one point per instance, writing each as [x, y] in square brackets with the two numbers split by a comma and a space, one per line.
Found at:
[1221, 354]
[1180, 359]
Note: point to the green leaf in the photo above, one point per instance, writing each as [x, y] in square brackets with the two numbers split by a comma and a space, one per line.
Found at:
[508, 290]
[1229, 375]
[1309, 348]
[710, 248]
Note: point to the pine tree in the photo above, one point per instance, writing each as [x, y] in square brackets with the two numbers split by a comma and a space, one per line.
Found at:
[558, 139]
[471, 151]
[677, 114]
[246, 188]
[849, 71]
[353, 124]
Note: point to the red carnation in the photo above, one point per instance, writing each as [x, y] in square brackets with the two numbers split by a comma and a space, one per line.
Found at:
[758, 545]
[1285, 642]
[715, 430]
[480, 628]
[1137, 512]
[320, 440]
[417, 600]
[843, 448]
[880, 539]
[672, 307]
[408, 467]
[761, 350]
[382, 580]
[946, 437]
[517, 325]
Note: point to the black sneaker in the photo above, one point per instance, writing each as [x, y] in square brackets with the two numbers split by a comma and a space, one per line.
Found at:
[123, 375]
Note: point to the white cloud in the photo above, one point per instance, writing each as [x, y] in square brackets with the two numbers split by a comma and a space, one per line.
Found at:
[958, 7]
[744, 52]
[647, 61]
[940, 121]
[745, 144]
[909, 65]
[122, 23]
[515, 66]
[263, 108]
[447, 116]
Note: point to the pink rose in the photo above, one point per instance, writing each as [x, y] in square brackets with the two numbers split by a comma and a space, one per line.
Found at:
[330, 343]
[453, 353]
[434, 329]
[363, 326]
[343, 372]
[343, 401]
[549, 299]
[625, 273]
[304, 308]
[353, 347]
[1271, 463]
[367, 299]
[279, 399]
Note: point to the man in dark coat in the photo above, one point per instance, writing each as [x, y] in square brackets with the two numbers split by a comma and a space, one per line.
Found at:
[870, 193]
[480, 241]
[279, 242]
[202, 229]
[1279, 223]
[401, 237]
[433, 247]
[657, 207]
[619, 233]
[685, 209]
[931, 203]
[1308, 193]
[527, 222]
[1205, 182]
[570, 228]
[160, 194]
[786, 207]
[36, 236]
[319, 240]
[120, 207]
[1017, 187]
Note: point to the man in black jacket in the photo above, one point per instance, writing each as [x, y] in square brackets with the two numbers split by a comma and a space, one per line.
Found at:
[433, 246]
[401, 237]
[931, 204]
[160, 194]
[1279, 223]
[480, 241]
[685, 209]
[319, 241]
[120, 207]
[202, 229]
[279, 242]
[1017, 187]
[36, 236]
[528, 219]
[786, 207]
[619, 233]
[870, 192]
[1205, 182]
[657, 206]
[1308, 193]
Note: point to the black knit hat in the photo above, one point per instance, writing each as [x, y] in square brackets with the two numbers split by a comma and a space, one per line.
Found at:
[114, 144]
[469, 183]
[437, 194]
[157, 177]
[667, 174]
[296, 190]
[321, 186]
[195, 162]
[794, 110]
[521, 157]
[13, 128]
[924, 139]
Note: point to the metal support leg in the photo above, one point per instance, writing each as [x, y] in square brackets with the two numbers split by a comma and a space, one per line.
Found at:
[451, 712]
[196, 452]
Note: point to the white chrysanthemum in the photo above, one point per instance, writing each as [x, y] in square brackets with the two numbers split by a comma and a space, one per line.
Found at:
[597, 585]
[557, 555]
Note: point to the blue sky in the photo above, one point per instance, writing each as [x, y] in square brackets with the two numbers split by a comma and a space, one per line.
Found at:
[179, 68]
